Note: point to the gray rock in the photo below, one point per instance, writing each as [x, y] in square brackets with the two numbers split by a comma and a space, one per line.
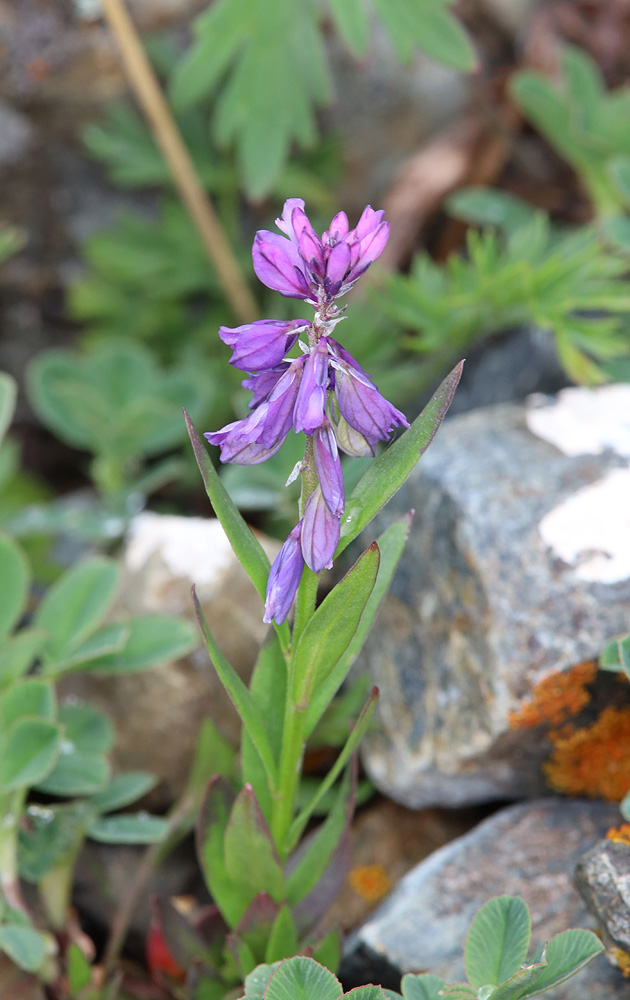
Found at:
[526, 850]
[483, 611]
[16, 135]
[603, 879]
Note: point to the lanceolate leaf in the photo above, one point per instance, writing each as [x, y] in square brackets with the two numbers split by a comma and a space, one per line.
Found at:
[329, 632]
[390, 545]
[251, 860]
[268, 689]
[387, 474]
[211, 826]
[241, 699]
[351, 745]
[497, 941]
[315, 852]
[247, 549]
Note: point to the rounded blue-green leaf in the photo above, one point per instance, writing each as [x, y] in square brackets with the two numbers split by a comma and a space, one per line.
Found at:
[497, 941]
[24, 945]
[76, 604]
[30, 697]
[8, 394]
[130, 828]
[303, 979]
[30, 750]
[15, 576]
[153, 639]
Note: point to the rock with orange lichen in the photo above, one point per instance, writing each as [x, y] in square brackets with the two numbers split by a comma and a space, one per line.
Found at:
[488, 641]
[603, 880]
[593, 760]
[529, 850]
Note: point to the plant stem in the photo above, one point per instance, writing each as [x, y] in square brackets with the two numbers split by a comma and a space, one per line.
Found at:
[167, 135]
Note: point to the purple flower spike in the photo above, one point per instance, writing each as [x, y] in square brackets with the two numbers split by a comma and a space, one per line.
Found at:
[262, 383]
[320, 533]
[311, 400]
[240, 441]
[284, 578]
[328, 468]
[261, 344]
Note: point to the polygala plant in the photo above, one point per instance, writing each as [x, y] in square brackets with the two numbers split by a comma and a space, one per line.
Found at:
[271, 887]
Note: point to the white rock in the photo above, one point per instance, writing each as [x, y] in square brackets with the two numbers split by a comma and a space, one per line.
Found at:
[582, 421]
[591, 529]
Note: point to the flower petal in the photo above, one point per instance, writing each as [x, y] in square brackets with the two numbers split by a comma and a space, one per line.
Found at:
[311, 399]
[284, 578]
[278, 265]
[328, 467]
[320, 533]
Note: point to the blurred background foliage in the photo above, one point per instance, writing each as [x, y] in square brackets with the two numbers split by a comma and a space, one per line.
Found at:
[487, 253]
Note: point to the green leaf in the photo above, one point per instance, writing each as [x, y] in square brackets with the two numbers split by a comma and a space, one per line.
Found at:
[212, 824]
[240, 697]
[151, 641]
[497, 941]
[184, 942]
[518, 985]
[256, 981]
[246, 546]
[421, 987]
[619, 169]
[490, 207]
[268, 690]
[29, 752]
[78, 969]
[617, 231]
[365, 993]
[123, 790]
[24, 945]
[302, 979]
[316, 851]
[27, 697]
[327, 951]
[76, 604]
[390, 545]
[616, 655]
[213, 755]
[15, 576]
[247, 836]
[283, 940]
[328, 633]
[50, 834]
[428, 24]
[567, 953]
[87, 728]
[352, 23]
[130, 828]
[357, 734]
[18, 652]
[390, 470]
[107, 639]
[76, 773]
[8, 396]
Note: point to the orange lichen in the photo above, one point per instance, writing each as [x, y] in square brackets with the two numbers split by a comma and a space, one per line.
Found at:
[619, 834]
[622, 961]
[371, 882]
[556, 698]
[593, 761]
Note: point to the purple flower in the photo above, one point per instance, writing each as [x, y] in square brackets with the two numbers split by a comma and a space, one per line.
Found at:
[360, 403]
[311, 398]
[304, 265]
[261, 344]
[328, 468]
[260, 435]
[320, 533]
[284, 578]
